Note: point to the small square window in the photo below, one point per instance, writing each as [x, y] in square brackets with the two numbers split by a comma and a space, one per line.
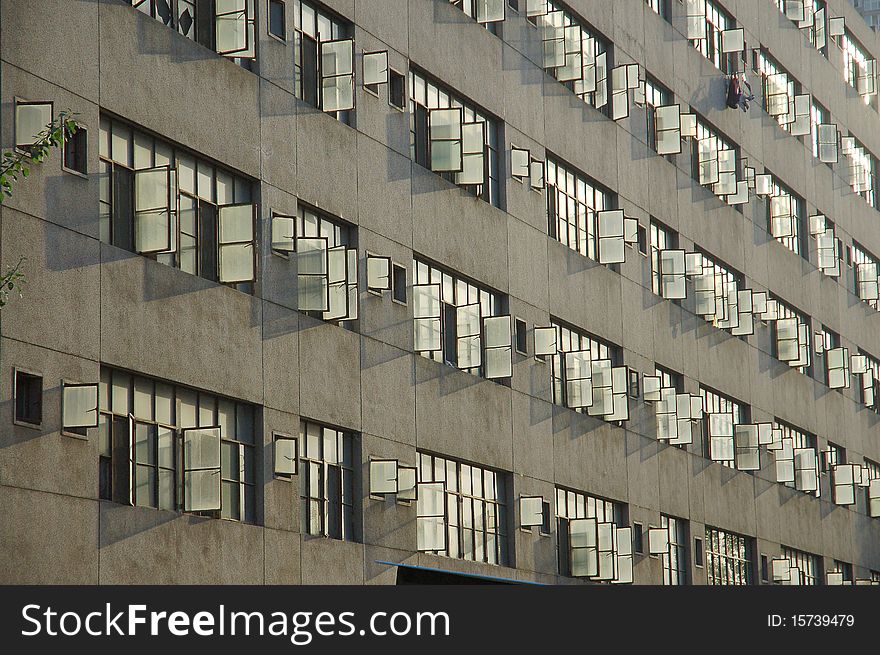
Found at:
[277, 25]
[76, 152]
[398, 283]
[698, 552]
[521, 333]
[397, 89]
[28, 398]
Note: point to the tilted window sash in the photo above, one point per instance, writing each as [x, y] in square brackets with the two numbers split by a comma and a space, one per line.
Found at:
[536, 7]
[79, 406]
[445, 139]
[536, 175]
[827, 136]
[695, 11]
[707, 160]
[784, 461]
[553, 34]
[874, 498]
[795, 10]
[726, 184]
[155, 209]
[607, 546]
[620, 92]
[383, 477]
[837, 363]
[426, 318]
[777, 94]
[467, 342]
[583, 545]
[236, 249]
[801, 125]
[704, 294]
[407, 487]
[312, 274]
[587, 81]
[781, 216]
[490, 11]
[337, 75]
[720, 432]
[733, 40]
[473, 159]
[519, 163]
[285, 456]
[688, 410]
[806, 469]
[619, 394]
[667, 128]
[603, 395]
[341, 284]
[844, 479]
[820, 35]
[378, 273]
[672, 274]
[787, 339]
[234, 33]
[375, 68]
[431, 516]
[866, 279]
[666, 415]
[866, 82]
[498, 344]
[31, 118]
[611, 237]
[578, 379]
[748, 451]
[545, 341]
[201, 469]
[572, 66]
[283, 233]
[531, 511]
[624, 557]
[826, 246]
[869, 390]
[601, 97]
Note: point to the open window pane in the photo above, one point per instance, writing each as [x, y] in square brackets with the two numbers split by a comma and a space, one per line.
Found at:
[426, 317]
[283, 233]
[583, 543]
[285, 456]
[748, 452]
[531, 511]
[672, 274]
[31, 118]
[337, 75]
[806, 469]
[445, 139]
[79, 406]
[498, 340]
[383, 476]
[234, 28]
[154, 208]
[201, 469]
[490, 11]
[828, 143]
[619, 92]
[519, 163]
[406, 482]
[695, 11]
[545, 341]
[375, 68]
[667, 125]
[611, 242]
[536, 175]
[473, 140]
[467, 319]
[312, 269]
[733, 40]
[237, 252]
[578, 379]
[378, 273]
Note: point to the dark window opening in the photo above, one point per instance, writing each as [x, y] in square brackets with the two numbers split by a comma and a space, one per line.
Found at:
[277, 26]
[398, 283]
[76, 151]
[28, 398]
[521, 342]
[397, 90]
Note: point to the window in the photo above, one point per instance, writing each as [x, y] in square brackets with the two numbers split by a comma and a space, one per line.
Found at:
[809, 566]
[575, 54]
[661, 8]
[580, 369]
[397, 90]
[454, 138]
[459, 323]
[870, 378]
[841, 573]
[277, 19]
[656, 95]
[836, 359]
[728, 558]
[462, 510]
[328, 465]
[327, 266]
[785, 216]
[76, 157]
[323, 60]
[398, 283]
[780, 95]
[819, 116]
[163, 446]
[573, 558]
[715, 284]
[714, 162]
[669, 379]
[800, 473]
[792, 337]
[662, 238]
[859, 69]
[675, 561]
[573, 203]
[227, 28]
[175, 207]
[28, 394]
[487, 13]
[31, 120]
[285, 455]
[866, 270]
[862, 169]
[872, 490]
[521, 337]
[809, 16]
[718, 443]
[707, 39]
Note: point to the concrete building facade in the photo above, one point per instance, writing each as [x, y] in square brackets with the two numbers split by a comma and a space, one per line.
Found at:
[328, 290]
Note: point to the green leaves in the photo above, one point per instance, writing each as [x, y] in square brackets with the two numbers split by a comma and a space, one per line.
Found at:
[11, 283]
[15, 164]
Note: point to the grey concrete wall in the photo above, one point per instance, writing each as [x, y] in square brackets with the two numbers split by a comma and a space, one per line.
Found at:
[89, 304]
